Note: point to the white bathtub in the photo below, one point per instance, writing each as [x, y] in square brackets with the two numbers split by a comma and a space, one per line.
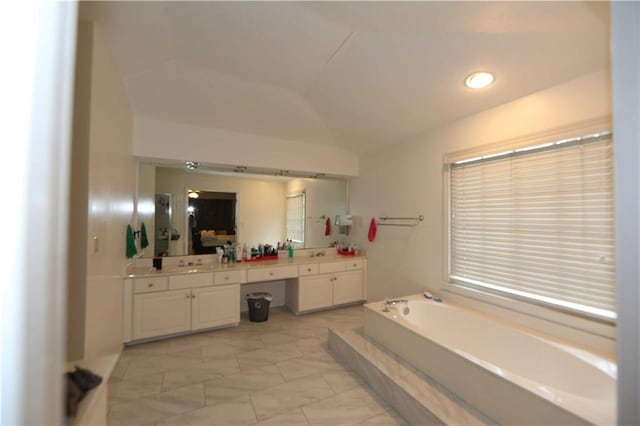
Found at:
[512, 375]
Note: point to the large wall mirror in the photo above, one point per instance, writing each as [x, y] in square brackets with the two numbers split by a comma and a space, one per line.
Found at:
[194, 211]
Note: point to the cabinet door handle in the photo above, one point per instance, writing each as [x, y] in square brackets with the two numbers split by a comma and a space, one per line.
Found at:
[308, 269]
[354, 265]
[150, 285]
[271, 273]
[193, 296]
[188, 296]
[226, 278]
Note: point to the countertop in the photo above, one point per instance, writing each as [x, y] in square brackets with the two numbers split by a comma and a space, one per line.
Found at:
[142, 272]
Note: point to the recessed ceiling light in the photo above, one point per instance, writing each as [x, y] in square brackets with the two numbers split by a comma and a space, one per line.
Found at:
[478, 80]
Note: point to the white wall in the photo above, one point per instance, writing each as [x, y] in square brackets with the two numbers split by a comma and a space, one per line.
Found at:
[323, 198]
[162, 140]
[407, 180]
[260, 202]
[79, 197]
[111, 192]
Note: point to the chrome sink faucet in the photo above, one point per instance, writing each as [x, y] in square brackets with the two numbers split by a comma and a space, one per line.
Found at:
[392, 302]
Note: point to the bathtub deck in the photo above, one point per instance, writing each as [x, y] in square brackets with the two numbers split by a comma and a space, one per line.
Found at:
[414, 396]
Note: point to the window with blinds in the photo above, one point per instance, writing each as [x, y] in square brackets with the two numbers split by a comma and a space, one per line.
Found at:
[295, 217]
[537, 224]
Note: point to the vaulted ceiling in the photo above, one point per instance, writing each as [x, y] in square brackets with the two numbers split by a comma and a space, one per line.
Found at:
[359, 75]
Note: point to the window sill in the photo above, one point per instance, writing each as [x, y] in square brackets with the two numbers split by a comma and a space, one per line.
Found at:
[595, 335]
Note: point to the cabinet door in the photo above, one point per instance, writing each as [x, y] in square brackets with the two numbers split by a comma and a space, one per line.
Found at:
[348, 287]
[165, 312]
[215, 306]
[315, 292]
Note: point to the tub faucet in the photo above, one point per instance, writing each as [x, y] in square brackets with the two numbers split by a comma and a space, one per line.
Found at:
[392, 302]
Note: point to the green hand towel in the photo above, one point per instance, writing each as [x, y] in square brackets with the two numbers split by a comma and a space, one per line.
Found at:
[131, 243]
[144, 242]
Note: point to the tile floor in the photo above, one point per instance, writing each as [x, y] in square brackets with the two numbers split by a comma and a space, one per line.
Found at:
[278, 372]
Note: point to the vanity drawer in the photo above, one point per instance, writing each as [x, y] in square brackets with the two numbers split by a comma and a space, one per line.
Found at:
[310, 269]
[147, 285]
[354, 264]
[177, 282]
[324, 268]
[228, 277]
[270, 274]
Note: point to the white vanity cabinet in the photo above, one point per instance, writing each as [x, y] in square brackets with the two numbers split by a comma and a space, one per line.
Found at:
[325, 285]
[314, 292]
[348, 287]
[173, 304]
[160, 313]
[215, 306]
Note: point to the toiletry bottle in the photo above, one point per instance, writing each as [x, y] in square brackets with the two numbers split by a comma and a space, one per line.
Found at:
[291, 251]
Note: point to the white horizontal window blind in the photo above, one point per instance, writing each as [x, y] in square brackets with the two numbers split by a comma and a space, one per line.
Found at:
[538, 224]
[295, 217]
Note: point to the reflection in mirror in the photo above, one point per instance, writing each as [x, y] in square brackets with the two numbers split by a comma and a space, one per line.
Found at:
[164, 231]
[260, 206]
[211, 220]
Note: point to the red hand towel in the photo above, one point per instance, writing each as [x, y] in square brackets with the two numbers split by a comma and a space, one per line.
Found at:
[327, 227]
[372, 230]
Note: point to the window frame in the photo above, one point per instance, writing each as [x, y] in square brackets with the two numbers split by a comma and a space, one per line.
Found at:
[518, 306]
[303, 218]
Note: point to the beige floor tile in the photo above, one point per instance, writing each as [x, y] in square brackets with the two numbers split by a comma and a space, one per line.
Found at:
[311, 344]
[186, 376]
[135, 388]
[143, 350]
[180, 400]
[195, 353]
[118, 371]
[219, 350]
[148, 410]
[279, 372]
[239, 384]
[132, 414]
[350, 407]
[233, 412]
[287, 396]
[291, 418]
[388, 418]
[277, 338]
[247, 344]
[157, 364]
[310, 365]
[267, 356]
[341, 380]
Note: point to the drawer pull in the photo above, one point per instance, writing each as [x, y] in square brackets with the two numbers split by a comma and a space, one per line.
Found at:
[355, 264]
[150, 285]
[308, 269]
[226, 277]
[271, 273]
